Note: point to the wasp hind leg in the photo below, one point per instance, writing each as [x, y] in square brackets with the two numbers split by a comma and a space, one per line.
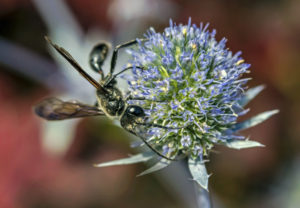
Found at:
[111, 78]
[130, 97]
[115, 53]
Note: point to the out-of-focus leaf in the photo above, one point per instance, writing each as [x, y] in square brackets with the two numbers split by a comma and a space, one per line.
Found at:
[254, 120]
[250, 94]
[158, 166]
[142, 157]
[199, 173]
[242, 144]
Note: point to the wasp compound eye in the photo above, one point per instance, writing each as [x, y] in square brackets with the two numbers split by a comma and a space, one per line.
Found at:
[98, 56]
[136, 111]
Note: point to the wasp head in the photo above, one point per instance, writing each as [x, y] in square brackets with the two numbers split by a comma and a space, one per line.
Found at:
[131, 118]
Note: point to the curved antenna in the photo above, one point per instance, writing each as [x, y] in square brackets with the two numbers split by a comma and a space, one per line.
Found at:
[72, 61]
[153, 149]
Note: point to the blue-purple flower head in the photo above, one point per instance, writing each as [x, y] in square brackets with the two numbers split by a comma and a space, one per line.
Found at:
[191, 84]
[192, 90]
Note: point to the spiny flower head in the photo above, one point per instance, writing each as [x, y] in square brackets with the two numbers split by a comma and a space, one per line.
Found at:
[191, 88]
[191, 84]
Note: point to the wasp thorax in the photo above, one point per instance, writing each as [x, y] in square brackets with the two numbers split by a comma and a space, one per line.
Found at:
[111, 102]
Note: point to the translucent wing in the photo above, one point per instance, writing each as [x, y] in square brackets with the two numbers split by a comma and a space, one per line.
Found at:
[56, 109]
[76, 66]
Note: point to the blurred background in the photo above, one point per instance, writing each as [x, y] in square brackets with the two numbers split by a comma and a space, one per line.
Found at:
[51, 164]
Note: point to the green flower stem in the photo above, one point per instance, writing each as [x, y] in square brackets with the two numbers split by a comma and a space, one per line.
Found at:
[202, 197]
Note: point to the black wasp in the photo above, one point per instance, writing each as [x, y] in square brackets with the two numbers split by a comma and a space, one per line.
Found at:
[110, 101]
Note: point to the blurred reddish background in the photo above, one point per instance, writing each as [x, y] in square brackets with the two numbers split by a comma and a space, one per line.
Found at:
[268, 33]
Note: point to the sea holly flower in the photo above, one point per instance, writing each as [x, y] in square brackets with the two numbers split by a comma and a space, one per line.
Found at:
[194, 87]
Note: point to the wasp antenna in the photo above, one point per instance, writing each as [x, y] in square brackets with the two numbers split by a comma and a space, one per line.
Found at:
[72, 61]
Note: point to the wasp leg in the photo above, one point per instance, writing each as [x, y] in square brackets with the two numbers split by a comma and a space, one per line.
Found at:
[111, 78]
[115, 53]
[127, 68]
[130, 97]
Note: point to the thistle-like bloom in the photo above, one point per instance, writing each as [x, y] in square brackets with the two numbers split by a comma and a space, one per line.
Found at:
[191, 82]
[191, 87]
